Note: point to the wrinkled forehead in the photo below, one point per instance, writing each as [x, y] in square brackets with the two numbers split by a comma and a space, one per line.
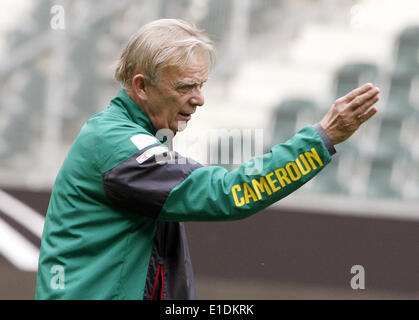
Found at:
[195, 69]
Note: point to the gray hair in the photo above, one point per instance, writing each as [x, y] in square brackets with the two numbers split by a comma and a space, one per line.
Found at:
[158, 44]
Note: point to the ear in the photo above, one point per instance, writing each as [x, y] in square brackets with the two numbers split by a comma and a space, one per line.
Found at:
[138, 86]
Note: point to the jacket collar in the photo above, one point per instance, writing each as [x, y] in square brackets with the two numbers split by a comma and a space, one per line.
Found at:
[135, 113]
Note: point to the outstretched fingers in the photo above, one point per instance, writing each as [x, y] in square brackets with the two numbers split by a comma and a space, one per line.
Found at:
[357, 92]
[360, 102]
[365, 116]
[372, 99]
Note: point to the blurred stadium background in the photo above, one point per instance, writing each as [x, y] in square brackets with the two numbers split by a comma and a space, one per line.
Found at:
[280, 65]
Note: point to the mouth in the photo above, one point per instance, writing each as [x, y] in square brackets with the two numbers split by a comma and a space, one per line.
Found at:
[185, 116]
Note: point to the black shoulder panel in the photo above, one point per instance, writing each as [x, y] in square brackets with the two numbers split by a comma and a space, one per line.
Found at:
[143, 186]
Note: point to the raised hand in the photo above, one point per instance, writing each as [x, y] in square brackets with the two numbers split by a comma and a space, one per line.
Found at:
[349, 112]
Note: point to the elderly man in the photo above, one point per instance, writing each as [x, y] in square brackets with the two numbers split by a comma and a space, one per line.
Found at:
[114, 226]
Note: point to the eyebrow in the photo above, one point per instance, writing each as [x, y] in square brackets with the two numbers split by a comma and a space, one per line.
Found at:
[188, 82]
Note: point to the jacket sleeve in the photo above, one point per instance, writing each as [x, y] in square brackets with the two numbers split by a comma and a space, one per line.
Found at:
[214, 194]
[164, 185]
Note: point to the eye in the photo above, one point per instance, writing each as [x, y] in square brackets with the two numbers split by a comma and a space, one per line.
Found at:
[186, 88]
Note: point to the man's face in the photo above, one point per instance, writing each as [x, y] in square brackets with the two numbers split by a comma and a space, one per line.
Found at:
[175, 98]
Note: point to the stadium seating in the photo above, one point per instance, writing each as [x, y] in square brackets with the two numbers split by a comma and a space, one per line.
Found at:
[289, 116]
[398, 102]
[407, 47]
[381, 182]
[389, 145]
[352, 75]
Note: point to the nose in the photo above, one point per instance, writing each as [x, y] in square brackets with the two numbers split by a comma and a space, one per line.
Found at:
[197, 99]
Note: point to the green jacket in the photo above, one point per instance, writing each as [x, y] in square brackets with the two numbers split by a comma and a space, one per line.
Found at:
[113, 227]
